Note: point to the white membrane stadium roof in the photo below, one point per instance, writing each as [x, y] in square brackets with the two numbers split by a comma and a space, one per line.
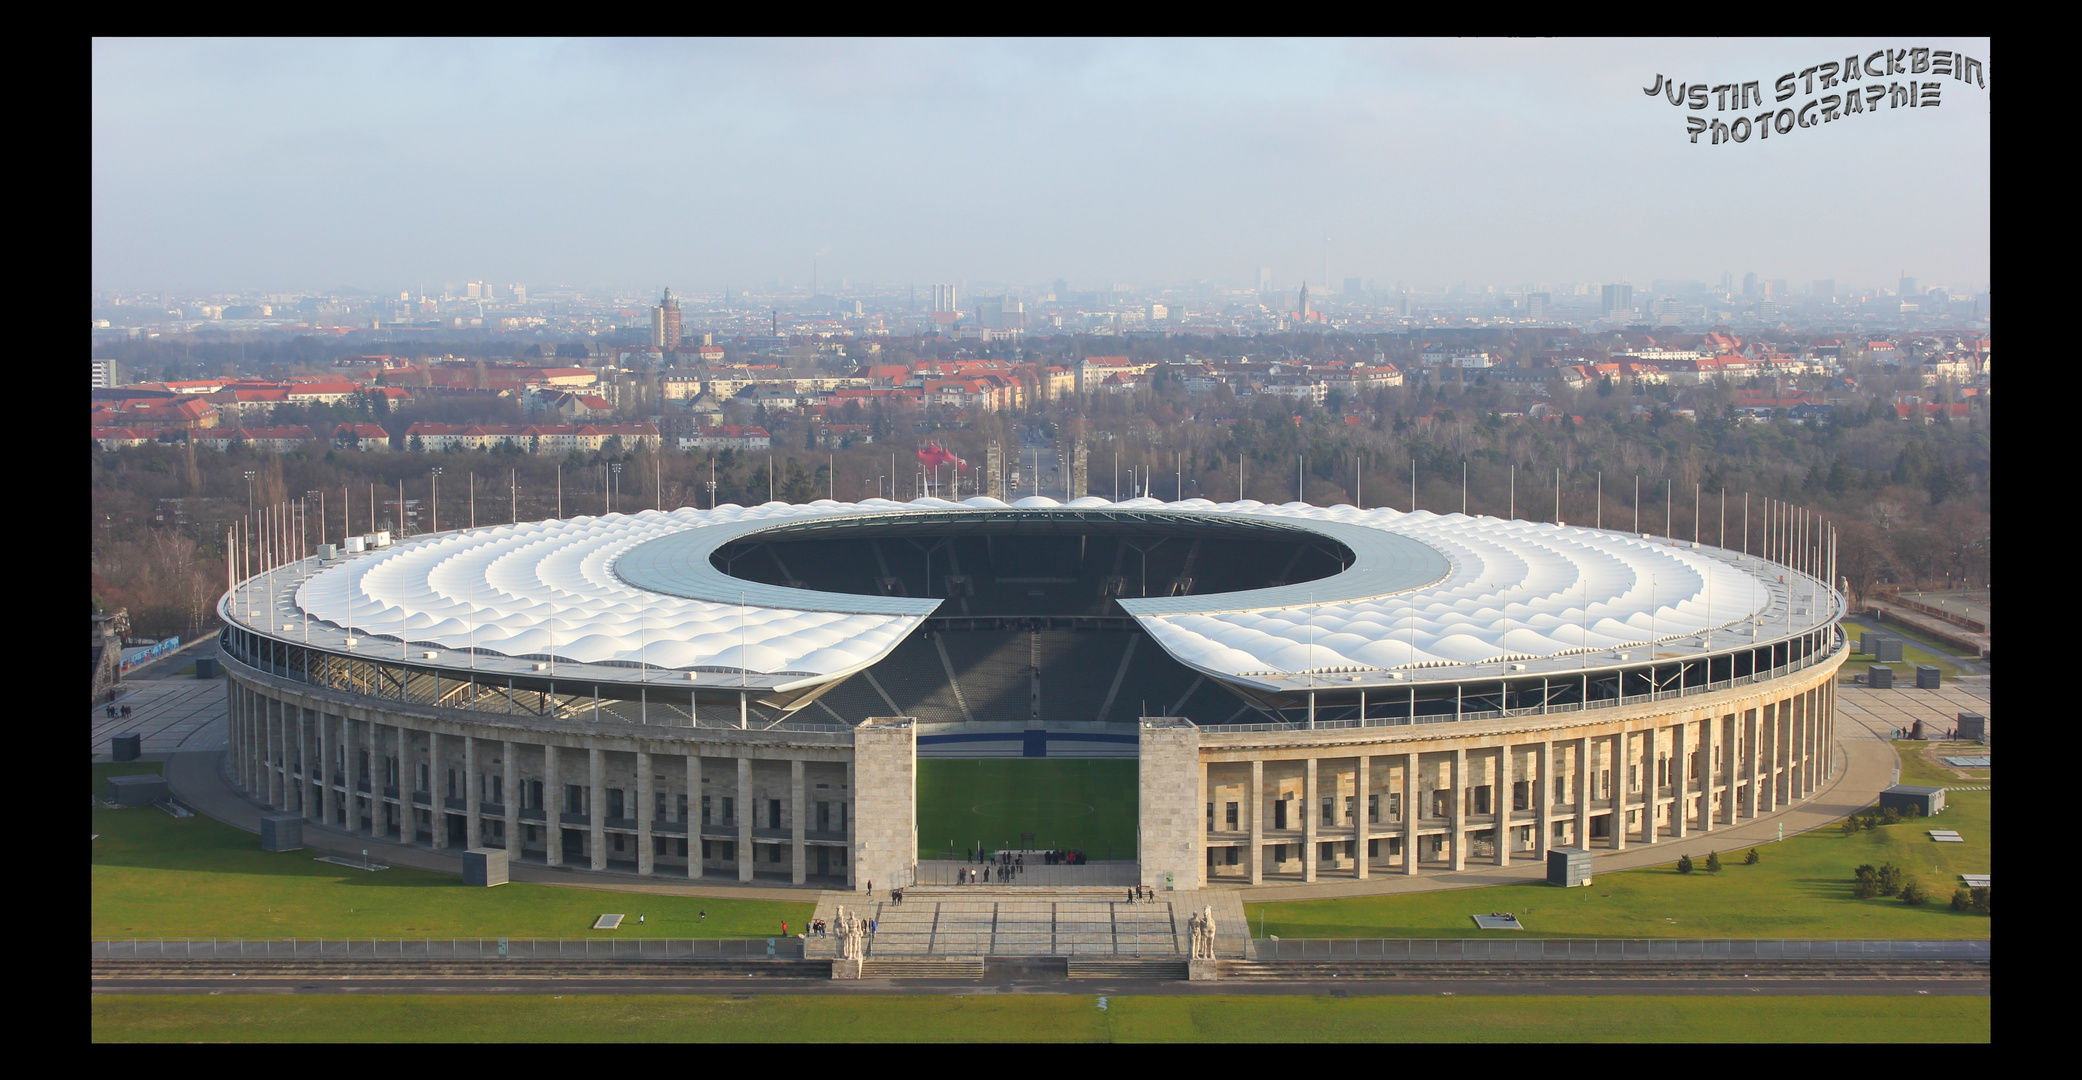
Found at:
[1426, 591]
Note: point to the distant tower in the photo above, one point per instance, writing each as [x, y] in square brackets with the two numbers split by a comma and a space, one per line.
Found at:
[1304, 301]
[665, 323]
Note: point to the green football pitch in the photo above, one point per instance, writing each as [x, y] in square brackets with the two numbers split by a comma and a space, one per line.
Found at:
[1067, 803]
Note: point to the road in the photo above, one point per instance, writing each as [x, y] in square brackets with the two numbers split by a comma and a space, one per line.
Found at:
[1110, 987]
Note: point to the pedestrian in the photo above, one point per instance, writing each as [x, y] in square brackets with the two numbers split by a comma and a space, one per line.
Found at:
[784, 928]
[871, 889]
[639, 920]
[704, 916]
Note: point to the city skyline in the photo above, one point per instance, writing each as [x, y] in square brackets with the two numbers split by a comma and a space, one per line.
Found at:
[307, 166]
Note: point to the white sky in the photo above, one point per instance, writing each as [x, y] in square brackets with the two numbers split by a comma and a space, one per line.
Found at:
[288, 165]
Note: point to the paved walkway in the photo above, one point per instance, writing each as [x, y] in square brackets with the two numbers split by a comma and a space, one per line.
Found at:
[1865, 719]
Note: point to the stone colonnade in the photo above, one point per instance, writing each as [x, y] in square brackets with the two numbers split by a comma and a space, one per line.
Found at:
[682, 802]
[1318, 805]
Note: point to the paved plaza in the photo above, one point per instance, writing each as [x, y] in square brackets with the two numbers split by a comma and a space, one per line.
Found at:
[175, 715]
[1885, 710]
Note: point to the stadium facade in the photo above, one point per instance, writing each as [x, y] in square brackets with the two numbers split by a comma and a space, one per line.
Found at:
[1313, 692]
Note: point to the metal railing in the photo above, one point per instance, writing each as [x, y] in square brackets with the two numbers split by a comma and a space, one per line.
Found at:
[776, 948]
[1782, 670]
[1644, 949]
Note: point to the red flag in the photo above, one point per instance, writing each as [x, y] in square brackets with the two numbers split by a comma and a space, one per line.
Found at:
[936, 455]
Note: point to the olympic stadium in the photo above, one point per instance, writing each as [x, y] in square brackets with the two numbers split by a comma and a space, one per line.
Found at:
[1307, 693]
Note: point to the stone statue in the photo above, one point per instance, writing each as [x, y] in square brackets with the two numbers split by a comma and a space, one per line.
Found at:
[1204, 935]
[852, 937]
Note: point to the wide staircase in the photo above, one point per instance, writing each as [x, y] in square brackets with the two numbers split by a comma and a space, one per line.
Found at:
[1035, 932]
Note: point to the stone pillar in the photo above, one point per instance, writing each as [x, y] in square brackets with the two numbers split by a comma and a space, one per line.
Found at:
[644, 795]
[552, 806]
[1202, 823]
[1362, 787]
[301, 766]
[1169, 817]
[234, 731]
[1680, 776]
[1803, 715]
[596, 805]
[1807, 742]
[473, 796]
[408, 780]
[1752, 723]
[1709, 775]
[1788, 750]
[846, 803]
[437, 794]
[256, 744]
[271, 732]
[1766, 783]
[1409, 814]
[1459, 803]
[745, 814]
[371, 743]
[1585, 777]
[1620, 750]
[1500, 800]
[249, 712]
[325, 745]
[256, 722]
[1540, 792]
[694, 809]
[798, 869]
[1308, 820]
[1816, 719]
[1774, 744]
[510, 800]
[1650, 788]
[1255, 800]
[885, 801]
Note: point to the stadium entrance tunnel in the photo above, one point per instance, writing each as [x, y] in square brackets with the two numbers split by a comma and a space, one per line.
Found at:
[1029, 632]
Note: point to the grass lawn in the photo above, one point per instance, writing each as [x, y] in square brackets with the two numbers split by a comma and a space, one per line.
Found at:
[1914, 650]
[1034, 1018]
[1916, 770]
[1801, 889]
[1067, 803]
[155, 876]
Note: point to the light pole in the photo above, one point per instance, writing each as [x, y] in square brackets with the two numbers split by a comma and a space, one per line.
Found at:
[613, 482]
[434, 513]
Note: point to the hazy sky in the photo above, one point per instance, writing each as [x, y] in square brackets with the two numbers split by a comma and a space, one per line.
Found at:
[289, 165]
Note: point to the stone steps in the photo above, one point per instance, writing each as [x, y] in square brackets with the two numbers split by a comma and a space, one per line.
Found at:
[1128, 969]
[936, 968]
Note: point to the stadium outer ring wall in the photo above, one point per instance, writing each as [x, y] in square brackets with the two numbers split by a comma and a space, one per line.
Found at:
[843, 802]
